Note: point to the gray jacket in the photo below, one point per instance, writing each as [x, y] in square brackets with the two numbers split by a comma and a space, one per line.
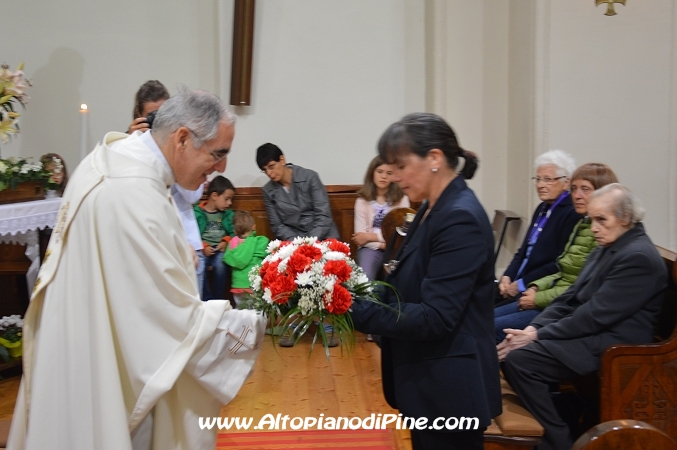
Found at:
[304, 211]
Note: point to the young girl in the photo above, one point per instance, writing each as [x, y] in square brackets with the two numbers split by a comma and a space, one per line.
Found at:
[56, 165]
[376, 198]
[243, 252]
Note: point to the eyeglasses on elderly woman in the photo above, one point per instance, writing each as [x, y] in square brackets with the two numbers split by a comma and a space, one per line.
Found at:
[546, 180]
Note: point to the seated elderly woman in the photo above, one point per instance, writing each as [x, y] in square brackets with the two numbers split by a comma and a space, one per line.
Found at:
[541, 292]
[615, 300]
[550, 227]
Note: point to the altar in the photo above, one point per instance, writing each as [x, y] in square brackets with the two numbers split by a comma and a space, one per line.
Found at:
[24, 232]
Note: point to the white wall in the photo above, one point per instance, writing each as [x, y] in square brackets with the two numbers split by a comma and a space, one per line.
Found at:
[328, 76]
[517, 78]
[468, 84]
[611, 96]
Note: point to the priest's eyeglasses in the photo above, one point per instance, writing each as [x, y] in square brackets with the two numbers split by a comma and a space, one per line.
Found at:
[218, 155]
[546, 180]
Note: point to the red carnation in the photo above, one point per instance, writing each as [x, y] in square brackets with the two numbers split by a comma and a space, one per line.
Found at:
[340, 269]
[309, 251]
[338, 246]
[298, 262]
[282, 288]
[340, 300]
[270, 275]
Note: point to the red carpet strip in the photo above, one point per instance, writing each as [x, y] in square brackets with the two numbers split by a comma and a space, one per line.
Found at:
[307, 439]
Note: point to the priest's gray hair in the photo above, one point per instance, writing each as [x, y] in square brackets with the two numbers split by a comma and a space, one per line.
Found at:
[563, 161]
[626, 206]
[199, 111]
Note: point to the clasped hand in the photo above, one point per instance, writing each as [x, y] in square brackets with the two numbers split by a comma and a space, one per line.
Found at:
[508, 288]
[515, 339]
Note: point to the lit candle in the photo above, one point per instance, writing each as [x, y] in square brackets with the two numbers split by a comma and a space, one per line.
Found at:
[84, 114]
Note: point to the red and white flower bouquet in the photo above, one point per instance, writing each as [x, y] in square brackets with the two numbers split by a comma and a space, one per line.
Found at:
[308, 280]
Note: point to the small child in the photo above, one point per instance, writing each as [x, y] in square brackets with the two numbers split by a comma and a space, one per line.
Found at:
[215, 222]
[55, 164]
[243, 252]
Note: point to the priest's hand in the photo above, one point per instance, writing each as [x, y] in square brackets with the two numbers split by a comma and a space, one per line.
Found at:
[138, 124]
[515, 339]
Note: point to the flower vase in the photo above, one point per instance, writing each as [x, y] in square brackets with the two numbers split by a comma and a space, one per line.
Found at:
[15, 348]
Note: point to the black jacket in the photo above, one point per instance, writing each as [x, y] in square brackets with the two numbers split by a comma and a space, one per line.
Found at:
[550, 243]
[439, 358]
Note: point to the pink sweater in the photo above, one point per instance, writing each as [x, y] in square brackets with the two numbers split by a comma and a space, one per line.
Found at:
[364, 218]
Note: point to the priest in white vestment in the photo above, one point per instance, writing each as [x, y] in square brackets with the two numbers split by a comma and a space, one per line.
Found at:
[119, 351]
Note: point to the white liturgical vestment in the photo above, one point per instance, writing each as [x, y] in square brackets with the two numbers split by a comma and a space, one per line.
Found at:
[119, 351]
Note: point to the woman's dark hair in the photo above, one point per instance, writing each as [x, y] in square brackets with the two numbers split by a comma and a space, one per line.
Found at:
[150, 91]
[219, 185]
[266, 153]
[368, 190]
[419, 133]
[53, 158]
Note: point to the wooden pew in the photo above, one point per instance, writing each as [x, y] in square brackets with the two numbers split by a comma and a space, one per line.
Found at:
[639, 382]
[341, 198]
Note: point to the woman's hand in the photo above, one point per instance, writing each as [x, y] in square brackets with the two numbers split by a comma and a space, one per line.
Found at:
[515, 339]
[503, 286]
[138, 124]
[362, 238]
[208, 251]
[528, 299]
[221, 246]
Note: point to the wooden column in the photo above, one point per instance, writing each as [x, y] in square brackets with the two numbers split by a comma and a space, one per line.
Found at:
[243, 46]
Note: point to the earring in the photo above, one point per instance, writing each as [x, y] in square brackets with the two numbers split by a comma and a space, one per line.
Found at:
[434, 169]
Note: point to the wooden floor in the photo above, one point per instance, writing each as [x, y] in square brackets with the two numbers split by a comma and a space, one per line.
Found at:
[290, 382]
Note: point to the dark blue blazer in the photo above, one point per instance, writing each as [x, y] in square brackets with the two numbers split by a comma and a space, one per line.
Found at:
[550, 243]
[615, 300]
[439, 357]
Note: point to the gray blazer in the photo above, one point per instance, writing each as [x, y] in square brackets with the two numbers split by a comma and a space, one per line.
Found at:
[304, 211]
[616, 299]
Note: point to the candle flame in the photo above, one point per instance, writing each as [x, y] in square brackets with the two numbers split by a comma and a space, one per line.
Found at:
[83, 107]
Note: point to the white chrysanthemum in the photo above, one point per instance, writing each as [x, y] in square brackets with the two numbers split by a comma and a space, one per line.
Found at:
[334, 256]
[273, 246]
[268, 295]
[362, 278]
[3, 167]
[287, 251]
[282, 268]
[304, 278]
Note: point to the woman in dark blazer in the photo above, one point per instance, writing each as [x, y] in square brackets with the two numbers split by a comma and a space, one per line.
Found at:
[550, 226]
[439, 359]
